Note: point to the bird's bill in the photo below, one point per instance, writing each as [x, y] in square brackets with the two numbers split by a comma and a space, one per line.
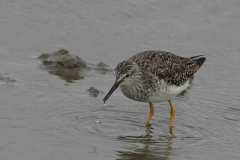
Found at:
[114, 87]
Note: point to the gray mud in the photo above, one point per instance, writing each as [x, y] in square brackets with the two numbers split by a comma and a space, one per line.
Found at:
[62, 60]
[70, 67]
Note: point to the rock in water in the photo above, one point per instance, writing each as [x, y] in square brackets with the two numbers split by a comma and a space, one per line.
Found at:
[62, 59]
[94, 92]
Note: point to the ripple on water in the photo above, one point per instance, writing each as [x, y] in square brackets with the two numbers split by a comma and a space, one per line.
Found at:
[199, 124]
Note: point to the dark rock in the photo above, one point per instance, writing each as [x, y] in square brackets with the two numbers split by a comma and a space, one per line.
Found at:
[61, 63]
[70, 67]
[101, 64]
[43, 56]
[62, 59]
[94, 92]
[101, 68]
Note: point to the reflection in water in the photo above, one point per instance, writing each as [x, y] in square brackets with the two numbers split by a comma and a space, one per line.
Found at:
[70, 75]
[67, 75]
[145, 147]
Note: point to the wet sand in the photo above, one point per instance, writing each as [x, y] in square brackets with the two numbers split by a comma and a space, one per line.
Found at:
[49, 113]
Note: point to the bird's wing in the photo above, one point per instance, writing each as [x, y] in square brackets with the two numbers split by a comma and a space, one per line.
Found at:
[173, 69]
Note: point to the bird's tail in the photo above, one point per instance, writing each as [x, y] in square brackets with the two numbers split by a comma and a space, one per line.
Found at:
[198, 60]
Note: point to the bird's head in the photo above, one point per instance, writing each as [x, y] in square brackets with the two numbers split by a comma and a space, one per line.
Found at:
[126, 73]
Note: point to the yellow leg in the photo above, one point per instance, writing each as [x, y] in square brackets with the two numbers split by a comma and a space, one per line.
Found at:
[172, 113]
[152, 110]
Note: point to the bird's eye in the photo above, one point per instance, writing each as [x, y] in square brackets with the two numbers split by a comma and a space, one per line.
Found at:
[127, 75]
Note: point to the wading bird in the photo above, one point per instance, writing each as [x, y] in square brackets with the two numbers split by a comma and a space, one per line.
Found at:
[155, 76]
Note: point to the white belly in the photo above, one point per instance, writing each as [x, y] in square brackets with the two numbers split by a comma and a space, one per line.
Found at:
[167, 92]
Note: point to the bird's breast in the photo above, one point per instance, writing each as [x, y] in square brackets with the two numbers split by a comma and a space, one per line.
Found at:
[160, 91]
[134, 92]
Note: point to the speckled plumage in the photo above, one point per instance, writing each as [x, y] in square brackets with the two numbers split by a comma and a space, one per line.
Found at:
[156, 76]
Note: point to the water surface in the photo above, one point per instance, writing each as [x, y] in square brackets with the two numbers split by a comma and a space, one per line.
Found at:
[44, 115]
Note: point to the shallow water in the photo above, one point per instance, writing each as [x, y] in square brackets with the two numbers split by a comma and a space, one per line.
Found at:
[44, 115]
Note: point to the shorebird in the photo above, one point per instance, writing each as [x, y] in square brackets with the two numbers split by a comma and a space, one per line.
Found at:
[155, 76]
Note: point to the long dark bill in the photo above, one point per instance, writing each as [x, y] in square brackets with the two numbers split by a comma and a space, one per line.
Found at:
[114, 87]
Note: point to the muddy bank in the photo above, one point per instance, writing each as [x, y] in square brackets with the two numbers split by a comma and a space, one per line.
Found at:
[70, 67]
